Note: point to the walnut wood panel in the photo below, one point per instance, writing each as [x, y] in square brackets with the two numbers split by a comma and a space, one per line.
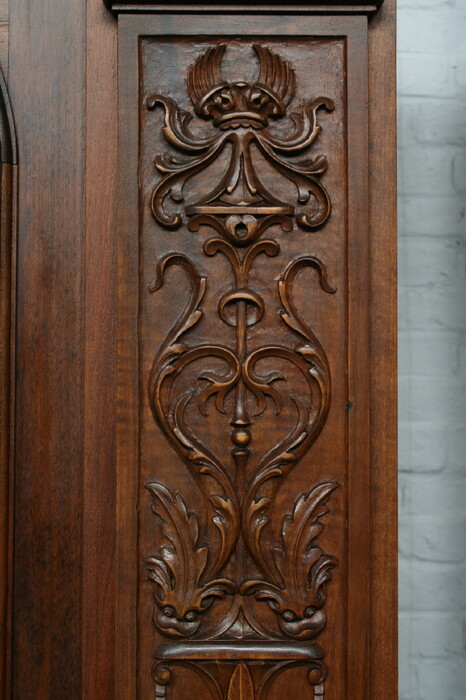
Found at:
[383, 295]
[98, 628]
[47, 90]
[243, 382]
[87, 616]
[8, 191]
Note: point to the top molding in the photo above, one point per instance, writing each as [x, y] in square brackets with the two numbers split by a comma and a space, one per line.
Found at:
[367, 7]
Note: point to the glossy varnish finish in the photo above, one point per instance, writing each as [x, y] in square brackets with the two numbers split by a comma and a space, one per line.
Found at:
[217, 520]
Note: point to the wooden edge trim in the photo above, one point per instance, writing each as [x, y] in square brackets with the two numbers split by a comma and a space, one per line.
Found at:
[8, 190]
[368, 7]
[383, 304]
[268, 651]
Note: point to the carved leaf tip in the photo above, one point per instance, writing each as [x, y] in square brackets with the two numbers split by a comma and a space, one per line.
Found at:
[241, 686]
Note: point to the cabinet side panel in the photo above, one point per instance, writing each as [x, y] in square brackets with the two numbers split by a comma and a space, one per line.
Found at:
[100, 373]
[47, 88]
[382, 212]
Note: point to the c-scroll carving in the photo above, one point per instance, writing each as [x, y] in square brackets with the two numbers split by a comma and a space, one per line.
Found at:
[241, 112]
[195, 564]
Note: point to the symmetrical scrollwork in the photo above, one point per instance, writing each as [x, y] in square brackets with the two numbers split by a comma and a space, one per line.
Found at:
[241, 112]
[193, 566]
[251, 680]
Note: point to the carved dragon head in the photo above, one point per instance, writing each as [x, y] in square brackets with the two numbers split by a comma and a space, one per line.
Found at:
[240, 103]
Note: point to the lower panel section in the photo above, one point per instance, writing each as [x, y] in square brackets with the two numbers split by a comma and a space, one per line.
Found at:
[238, 671]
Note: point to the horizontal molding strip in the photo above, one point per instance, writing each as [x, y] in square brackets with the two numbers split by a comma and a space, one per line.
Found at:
[311, 8]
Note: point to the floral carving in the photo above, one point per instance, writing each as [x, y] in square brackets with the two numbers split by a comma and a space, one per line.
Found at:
[241, 113]
[180, 566]
[188, 569]
[298, 597]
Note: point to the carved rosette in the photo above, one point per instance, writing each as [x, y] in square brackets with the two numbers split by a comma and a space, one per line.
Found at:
[193, 566]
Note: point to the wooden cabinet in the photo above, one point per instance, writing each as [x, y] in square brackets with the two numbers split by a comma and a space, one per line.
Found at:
[234, 456]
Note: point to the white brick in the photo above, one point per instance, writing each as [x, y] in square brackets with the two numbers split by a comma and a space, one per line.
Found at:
[460, 74]
[442, 680]
[425, 4]
[424, 261]
[433, 121]
[459, 172]
[431, 398]
[432, 32]
[431, 635]
[432, 353]
[422, 446]
[456, 446]
[432, 308]
[408, 688]
[427, 170]
[433, 538]
[431, 215]
[432, 495]
[428, 586]
[432, 347]
[426, 75]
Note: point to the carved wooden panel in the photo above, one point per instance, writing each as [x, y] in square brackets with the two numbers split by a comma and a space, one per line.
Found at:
[243, 451]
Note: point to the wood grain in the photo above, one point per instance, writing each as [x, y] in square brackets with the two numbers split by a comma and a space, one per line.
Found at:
[91, 443]
[342, 453]
[383, 227]
[8, 184]
[98, 626]
[47, 87]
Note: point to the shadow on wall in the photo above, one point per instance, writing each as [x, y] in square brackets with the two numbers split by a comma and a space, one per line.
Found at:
[432, 348]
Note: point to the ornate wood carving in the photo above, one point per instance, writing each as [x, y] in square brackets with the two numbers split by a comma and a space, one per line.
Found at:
[195, 565]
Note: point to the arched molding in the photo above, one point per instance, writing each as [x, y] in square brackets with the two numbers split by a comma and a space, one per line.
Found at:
[8, 189]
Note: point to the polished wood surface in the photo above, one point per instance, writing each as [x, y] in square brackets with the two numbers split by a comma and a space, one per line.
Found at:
[383, 294]
[47, 89]
[98, 629]
[154, 82]
[8, 211]
[205, 402]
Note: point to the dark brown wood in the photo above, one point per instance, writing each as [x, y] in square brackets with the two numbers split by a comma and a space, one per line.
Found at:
[8, 188]
[47, 92]
[383, 294]
[98, 625]
[367, 7]
[164, 244]
[147, 561]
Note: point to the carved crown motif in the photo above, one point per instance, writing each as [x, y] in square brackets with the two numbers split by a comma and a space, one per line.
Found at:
[239, 103]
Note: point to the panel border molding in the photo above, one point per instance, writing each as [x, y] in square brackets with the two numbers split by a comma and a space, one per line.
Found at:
[371, 664]
[369, 7]
[8, 194]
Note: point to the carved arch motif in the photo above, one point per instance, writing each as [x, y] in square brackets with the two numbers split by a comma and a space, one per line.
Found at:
[8, 185]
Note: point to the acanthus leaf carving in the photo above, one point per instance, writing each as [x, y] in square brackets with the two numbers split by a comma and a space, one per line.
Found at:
[303, 568]
[178, 571]
[189, 568]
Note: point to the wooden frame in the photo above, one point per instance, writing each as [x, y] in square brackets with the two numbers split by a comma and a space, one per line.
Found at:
[8, 185]
[382, 578]
[68, 612]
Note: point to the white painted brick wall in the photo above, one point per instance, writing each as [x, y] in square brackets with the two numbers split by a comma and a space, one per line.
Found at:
[432, 359]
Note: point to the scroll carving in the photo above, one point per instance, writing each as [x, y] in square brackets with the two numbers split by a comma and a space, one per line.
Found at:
[236, 554]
